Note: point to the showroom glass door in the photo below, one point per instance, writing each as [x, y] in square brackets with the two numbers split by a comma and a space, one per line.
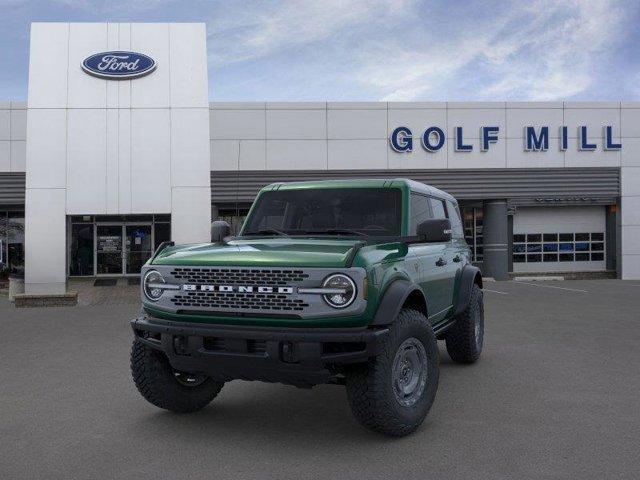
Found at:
[138, 247]
[109, 258]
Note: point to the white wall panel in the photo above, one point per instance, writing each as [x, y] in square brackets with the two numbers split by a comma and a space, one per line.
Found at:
[113, 43]
[86, 161]
[630, 211]
[47, 148]
[630, 181]
[296, 154]
[598, 158]
[518, 118]
[418, 158]
[86, 91]
[296, 105]
[631, 239]
[237, 124]
[18, 156]
[630, 120]
[18, 124]
[253, 155]
[188, 53]
[5, 156]
[124, 86]
[48, 62]
[224, 154]
[356, 124]
[630, 153]
[420, 105]
[517, 157]
[296, 124]
[150, 161]
[5, 124]
[356, 105]
[495, 157]
[630, 267]
[152, 91]
[124, 161]
[191, 215]
[357, 154]
[190, 165]
[112, 162]
[45, 241]
[592, 118]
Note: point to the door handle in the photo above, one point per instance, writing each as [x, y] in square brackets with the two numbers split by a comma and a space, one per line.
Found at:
[441, 262]
[457, 258]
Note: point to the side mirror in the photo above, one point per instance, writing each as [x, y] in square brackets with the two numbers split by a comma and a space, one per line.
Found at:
[219, 230]
[435, 230]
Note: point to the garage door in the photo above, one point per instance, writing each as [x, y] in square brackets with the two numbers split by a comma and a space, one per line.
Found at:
[559, 239]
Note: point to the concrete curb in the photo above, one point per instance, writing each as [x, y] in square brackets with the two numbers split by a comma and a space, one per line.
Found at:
[23, 300]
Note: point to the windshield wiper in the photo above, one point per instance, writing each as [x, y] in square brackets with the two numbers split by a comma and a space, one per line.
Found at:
[267, 231]
[337, 231]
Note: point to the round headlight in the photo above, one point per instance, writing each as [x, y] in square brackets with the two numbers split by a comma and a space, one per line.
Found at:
[150, 285]
[344, 290]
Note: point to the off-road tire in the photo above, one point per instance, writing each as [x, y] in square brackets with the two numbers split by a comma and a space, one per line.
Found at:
[462, 344]
[155, 379]
[370, 385]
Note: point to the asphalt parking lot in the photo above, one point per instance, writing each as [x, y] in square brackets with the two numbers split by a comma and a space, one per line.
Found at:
[556, 394]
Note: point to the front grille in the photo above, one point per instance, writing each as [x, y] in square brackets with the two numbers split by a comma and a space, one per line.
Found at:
[237, 276]
[238, 301]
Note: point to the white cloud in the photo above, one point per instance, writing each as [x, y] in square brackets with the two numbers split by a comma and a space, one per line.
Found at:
[243, 34]
[546, 51]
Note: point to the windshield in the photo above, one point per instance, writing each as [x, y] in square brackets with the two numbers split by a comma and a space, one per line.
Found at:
[329, 211]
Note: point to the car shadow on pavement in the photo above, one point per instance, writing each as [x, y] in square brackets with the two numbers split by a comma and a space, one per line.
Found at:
[271, 412]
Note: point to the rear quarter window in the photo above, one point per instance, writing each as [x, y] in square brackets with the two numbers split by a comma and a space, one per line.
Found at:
[457, 230]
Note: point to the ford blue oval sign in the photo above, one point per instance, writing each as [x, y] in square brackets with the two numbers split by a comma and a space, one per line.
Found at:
[118, 65]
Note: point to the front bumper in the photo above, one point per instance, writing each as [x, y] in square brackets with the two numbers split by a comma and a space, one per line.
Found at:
[296, 356]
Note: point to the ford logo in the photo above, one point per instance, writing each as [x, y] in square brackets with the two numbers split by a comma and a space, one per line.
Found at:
[118, 65]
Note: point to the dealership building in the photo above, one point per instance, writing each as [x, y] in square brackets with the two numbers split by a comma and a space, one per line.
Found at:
[118, 148]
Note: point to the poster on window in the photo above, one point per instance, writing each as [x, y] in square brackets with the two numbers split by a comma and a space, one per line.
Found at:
[109, 243]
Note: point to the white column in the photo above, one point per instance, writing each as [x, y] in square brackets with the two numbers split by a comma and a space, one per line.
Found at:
[630, 191]
[630, 229]
[45, 241]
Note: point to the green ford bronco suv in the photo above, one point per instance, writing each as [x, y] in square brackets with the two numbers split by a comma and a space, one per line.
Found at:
[344, 282]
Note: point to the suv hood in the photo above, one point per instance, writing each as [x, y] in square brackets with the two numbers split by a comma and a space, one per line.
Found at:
[285, 252]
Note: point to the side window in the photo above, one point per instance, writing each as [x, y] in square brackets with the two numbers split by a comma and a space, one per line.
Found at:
[437, 206]
[456, 221]
[418, 211]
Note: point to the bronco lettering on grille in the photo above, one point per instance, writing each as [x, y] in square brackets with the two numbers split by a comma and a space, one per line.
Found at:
[237, 288]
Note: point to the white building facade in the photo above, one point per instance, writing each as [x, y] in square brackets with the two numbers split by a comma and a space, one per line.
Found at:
[95, 172]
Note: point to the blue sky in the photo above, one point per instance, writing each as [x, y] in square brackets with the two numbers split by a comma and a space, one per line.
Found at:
[363, 50]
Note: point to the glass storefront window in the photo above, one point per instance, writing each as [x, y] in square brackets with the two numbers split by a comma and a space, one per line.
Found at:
[163, 234]
[472, 221]
[103, 246]
[4, 266]
[81, 252]
[235, 218]
[15, 242]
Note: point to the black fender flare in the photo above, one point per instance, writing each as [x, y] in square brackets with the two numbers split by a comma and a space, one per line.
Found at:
[468, 277]
[393, 299]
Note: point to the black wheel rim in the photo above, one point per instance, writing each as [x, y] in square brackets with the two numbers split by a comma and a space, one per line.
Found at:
[409, 374]
[189, 379]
